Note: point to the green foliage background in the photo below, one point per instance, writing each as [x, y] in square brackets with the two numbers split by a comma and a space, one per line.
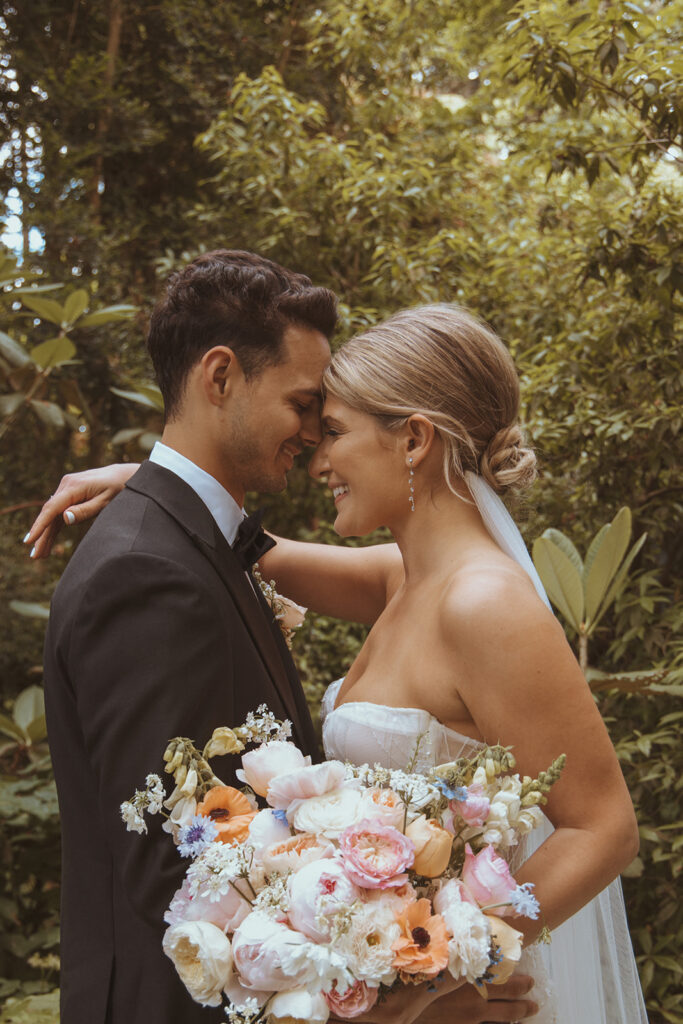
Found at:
[523, 159]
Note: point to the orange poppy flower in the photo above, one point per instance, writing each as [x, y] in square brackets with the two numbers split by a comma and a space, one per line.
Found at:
[230, 812]
[422, 948]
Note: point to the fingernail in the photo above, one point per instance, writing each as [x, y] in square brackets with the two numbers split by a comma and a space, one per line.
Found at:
[33, 553]
[70, 518]
[25, 540]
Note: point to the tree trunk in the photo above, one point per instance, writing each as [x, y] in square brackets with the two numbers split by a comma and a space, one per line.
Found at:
[104, 120]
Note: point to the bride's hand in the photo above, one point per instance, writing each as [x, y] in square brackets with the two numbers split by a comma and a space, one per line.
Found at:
[455, 1003]
[80, 496]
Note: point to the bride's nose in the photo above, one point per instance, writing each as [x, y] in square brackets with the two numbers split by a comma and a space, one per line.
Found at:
[319, 465]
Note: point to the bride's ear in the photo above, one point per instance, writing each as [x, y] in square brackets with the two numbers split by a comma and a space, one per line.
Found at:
[420, 438]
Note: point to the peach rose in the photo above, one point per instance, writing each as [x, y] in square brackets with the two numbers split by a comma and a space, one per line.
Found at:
[488, 878]
[230, 812]
[432, 846]
[385, 805]
[422, 948]
[294, 852]
[357, 999]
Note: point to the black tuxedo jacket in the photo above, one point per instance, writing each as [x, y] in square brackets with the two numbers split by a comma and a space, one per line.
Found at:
[155, 631]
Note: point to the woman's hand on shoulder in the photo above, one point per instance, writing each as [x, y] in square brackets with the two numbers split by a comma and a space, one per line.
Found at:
[79, 497]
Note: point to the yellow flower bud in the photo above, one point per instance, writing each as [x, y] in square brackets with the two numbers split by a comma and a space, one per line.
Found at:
[223, 741]
[175, 761]
[180, 776]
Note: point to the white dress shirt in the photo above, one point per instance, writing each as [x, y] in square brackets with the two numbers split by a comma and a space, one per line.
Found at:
[220, 503]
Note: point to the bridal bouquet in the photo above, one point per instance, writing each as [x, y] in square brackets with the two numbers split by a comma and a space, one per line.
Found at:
[351, 881]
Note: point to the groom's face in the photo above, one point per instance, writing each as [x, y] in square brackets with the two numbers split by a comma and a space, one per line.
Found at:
[277, 413]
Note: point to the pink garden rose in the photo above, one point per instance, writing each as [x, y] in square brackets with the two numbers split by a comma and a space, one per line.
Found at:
[304, 783]
[357, 999]
[262, 954]
[319, 888]
[487, 877]
[475, 809]
[226, 913]
[376, 856]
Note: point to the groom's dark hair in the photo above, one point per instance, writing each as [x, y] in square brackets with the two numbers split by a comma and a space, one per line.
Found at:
[234, 298]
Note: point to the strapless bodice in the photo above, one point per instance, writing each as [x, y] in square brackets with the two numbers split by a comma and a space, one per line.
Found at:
[366, 733]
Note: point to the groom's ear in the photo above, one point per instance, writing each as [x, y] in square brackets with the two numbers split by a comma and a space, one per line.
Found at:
[220, 369]
[420, 437]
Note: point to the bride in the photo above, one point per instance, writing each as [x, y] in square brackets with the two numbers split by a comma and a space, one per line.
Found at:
[421, 436]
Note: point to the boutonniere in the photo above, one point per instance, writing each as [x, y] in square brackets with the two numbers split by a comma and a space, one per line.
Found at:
[287, 613]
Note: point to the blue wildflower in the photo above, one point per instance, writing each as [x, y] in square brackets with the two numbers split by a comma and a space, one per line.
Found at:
[524, 901]
[451, 793]
[281, 816]
[196, 836]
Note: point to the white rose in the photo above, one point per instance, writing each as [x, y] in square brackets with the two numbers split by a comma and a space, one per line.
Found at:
[301, 784]
[469, 931]
[366, 946]
[299, 1005]
[261, 765]
[265, 954]
[266, 829]
[202, 957]
[329, 815]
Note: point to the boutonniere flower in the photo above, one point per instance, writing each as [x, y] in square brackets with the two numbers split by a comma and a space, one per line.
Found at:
[287, 613]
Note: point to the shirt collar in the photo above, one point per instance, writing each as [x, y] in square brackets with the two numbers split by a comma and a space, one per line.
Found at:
[220, 503]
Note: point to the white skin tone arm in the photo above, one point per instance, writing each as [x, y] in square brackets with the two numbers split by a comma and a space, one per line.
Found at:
[525, 653]
[346, 583]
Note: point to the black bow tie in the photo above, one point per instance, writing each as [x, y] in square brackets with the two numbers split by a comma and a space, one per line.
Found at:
[251, 543]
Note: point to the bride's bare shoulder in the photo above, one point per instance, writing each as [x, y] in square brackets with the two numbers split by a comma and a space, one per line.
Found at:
[490, 597]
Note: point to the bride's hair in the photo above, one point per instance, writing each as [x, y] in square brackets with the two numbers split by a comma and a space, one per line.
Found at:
[444, 363]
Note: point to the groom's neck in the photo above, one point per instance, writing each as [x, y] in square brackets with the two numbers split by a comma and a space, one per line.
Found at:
[188, 439]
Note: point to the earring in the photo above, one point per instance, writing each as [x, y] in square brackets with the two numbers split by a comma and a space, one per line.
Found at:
[411, 483]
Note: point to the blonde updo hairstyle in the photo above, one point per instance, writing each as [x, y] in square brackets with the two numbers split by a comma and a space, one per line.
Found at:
[442, 362]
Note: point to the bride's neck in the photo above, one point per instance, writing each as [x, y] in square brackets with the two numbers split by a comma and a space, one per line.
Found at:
[440, 535]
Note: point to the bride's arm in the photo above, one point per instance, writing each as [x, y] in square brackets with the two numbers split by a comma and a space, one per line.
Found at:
[523, 687]
[347, 583]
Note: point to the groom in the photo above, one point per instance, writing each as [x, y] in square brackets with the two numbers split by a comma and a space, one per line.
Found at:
[157, 631]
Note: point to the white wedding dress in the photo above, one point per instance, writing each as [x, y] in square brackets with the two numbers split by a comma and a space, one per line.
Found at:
[587, 975]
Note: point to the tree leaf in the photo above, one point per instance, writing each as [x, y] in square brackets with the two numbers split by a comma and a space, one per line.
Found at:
[47, 309]
[10, 403]
[13, 351]
[31, 609]
[561, 580]
[75, 304]
[145, 397]
[53, 352]
[619, 580]
[11, 728]
[564, 544]
[607, 555]
[49, 413]
[29, 706]
[108, 314]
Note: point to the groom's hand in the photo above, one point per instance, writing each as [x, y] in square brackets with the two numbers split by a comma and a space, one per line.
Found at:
[462, 1005]
[508, 1002]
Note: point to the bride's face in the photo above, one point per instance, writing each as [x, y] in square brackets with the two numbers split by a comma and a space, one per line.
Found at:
[364, 467]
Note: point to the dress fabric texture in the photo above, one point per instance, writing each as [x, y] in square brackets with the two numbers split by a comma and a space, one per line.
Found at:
[587, 973]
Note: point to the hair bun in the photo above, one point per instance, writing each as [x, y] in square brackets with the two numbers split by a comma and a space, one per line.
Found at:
[506, 462]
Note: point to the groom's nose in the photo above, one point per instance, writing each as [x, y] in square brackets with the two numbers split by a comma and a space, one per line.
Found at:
[311, 431]
[319, 465]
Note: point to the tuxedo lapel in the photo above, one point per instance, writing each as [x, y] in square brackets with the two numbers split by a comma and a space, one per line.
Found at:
[183, 504]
